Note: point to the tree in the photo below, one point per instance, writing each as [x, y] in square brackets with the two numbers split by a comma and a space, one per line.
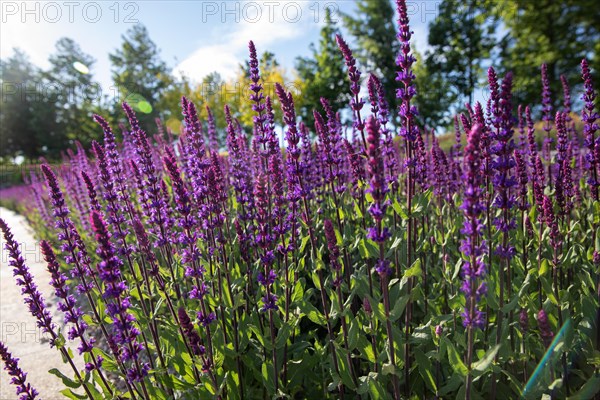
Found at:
[237, 92]
[558, 33]
[434, 96]
[169, 104]
[212, 92]
[139, 74]
[322, 75]
[461, 39]
[374, 29]
[76, 95]
[28, 116]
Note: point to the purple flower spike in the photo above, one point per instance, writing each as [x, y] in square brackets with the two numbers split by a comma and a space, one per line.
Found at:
[24, 389]
[545, 329]
[94, 205]
[117, 303]
[31, 295]
[334, 250]
[191, 334]
[524, 320]
[73, 245]
[590, 127]
[474, 269]
[68, 303]
[551, 222]
[356, 103]
[353, 72]
[405, 75]
[213, 140]
[377, 188]
[269, 302]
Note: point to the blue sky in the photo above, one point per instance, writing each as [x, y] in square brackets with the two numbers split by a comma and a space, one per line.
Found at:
[195, 37]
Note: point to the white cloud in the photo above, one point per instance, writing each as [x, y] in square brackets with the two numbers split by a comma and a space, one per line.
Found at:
[232, 48]
[208, 59]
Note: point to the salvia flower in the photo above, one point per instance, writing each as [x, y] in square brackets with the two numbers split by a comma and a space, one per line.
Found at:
[377, 184]
[334, 250]
[115, 211]
[521, 125]
[545, 329]
[213, 140]
[114, 160]
[551, 222]
[523, 320]
[356, 166]
[474, 269]
[293, 166]
[546, 113]
[269, 301]
[206, 319]
[150, 191]
[29, 290]
[19, 378]
[596, 257]
[67, 303]
[566, 96]
[94, 205]
[405, 75]
[257, 98]
[522, 178]
[503, 162]
[353, 72]
[193, 339]
[590, 127]
[546, 98]
[118, 303]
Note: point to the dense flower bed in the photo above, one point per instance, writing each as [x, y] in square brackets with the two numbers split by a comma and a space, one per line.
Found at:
[345, 267]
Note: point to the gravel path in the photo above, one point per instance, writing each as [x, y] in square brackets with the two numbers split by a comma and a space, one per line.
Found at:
[18, 329]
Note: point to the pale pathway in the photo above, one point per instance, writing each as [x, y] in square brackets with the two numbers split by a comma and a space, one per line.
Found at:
[18, 329]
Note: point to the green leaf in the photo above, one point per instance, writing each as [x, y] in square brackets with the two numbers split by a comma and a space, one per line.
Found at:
[298, 292]
[313, 314]
[511, 306]
[376, 390]
[588, 390]
[283, 335]
[371, 384]
[108, 364]
[425, 369]
[456, 269]
[358, 211]
[319, 265]
[544, 268]
[388, 369]
[344, 368]
[316, 279]
[353, 335]
[399, 307]
[414, 270]
[226, 294]
[454, 358]
[88, 320]
[65, 379]
[368, 249]
[267, 375]
[72, 395]
[487, 359]
[399, 209]
[366, 349]
[305, 240]
[258, 334]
